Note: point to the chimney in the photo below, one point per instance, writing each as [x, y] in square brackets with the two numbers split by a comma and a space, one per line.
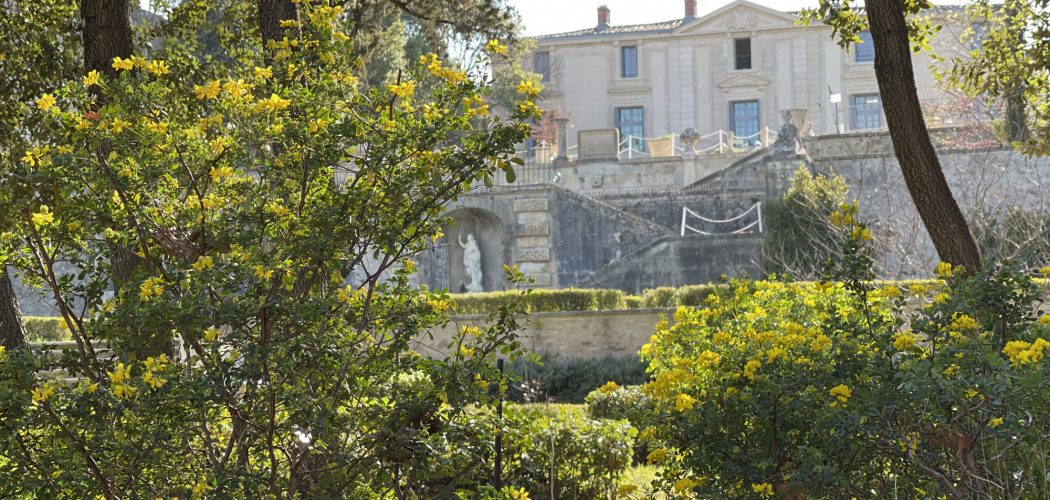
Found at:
[603, 17]
[690, 9]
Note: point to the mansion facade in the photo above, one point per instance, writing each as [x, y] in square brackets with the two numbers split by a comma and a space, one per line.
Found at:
[734, 69]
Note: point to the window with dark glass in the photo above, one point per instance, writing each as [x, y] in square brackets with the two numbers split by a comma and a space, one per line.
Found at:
[865, 49]
[629, 61]
[744, 121]
[542, 65]
[742, 53]
[865, 111]
[631, 124]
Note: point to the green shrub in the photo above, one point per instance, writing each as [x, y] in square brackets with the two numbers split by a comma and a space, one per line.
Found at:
[694, 295]
[542, 300]
[664, 296]
[633, 302]
[45, 329]
[615, 402]
[828, 390]
[800, 237]
[587, 456]
[570, 380]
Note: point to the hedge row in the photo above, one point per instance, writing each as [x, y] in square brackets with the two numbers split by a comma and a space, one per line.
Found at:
[589, 299]
[45, 329]
[582, 299]
[51, 329]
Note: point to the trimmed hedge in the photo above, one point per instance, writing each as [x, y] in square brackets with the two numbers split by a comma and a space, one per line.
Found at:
[591, 299]
[45, 329]
[570, 380]
[567, 299]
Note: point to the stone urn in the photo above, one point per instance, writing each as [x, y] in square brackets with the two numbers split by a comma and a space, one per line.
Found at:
[690, 136]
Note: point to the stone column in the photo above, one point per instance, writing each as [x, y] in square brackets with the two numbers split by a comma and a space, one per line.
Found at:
[563, 137]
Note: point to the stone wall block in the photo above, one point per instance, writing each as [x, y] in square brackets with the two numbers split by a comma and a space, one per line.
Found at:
[531, 205]
[540, 254]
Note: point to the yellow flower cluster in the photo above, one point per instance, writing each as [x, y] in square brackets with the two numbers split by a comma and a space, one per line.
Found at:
[609, 386]
[273, 103]
[751, 368]
[157, 67]
[208, 91]
[841, 394]
[685, 484]
[494, 47]
[121, 376]
[151, 287]
[764, 490]
[155, 366]
[403, 90]
[43, 393]
[684, 402]
[528, 88]
[475, 106]
[962, 323]
[211, 333]
[709, 358]
[436, 68]
[657, 456]
[905, 340]
[121, 64]
[92, 78]
[1021, 353]
[46, 102]
[944, 270]
[238, 89]
[203, 263]
[43, 217]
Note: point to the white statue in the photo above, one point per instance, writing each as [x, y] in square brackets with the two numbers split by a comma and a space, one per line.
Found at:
[472, 263]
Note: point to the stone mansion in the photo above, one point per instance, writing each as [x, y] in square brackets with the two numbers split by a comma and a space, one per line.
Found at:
[733, 69]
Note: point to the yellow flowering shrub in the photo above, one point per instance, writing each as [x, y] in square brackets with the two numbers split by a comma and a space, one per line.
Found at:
[260, 215]
[828, 389]
[766, 371]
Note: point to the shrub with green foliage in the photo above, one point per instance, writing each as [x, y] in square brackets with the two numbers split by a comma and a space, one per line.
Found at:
[266, 216]
[557, 451]
[829, 390]
[543, 300]
[614, 401]
[45, 329]
[799, 236]
[570, 380]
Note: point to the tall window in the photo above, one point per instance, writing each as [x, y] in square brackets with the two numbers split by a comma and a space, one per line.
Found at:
[629, 61]
[865, 111]
[542, 64]
[865, 49]
[742, 53]
[744, 121]
[631, 124]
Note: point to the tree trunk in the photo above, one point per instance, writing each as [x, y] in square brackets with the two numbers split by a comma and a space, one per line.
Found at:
[12, 331]
[911, 140]
[106, 33]
[271, 13]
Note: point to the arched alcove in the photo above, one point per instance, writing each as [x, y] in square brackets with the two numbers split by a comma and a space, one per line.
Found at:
[489, 233]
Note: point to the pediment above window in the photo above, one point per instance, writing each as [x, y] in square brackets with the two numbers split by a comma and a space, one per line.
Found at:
[745, 81]
[739, 16]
